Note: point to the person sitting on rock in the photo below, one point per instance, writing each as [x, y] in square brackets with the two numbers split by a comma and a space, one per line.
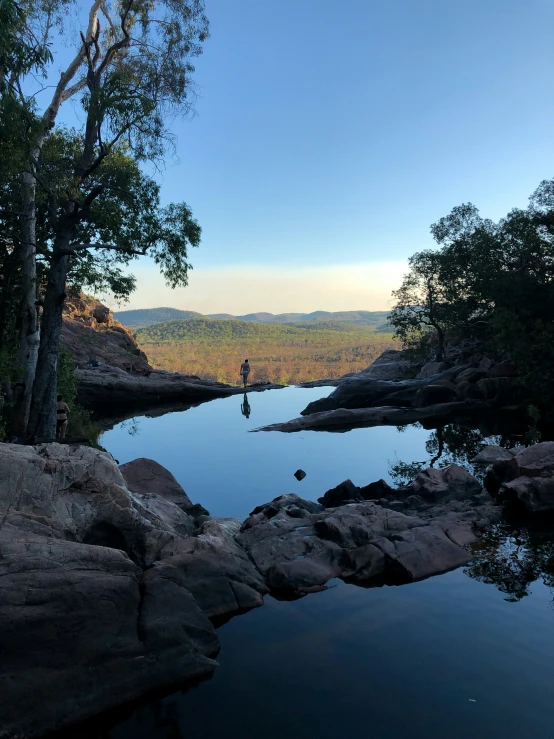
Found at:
[62, 413]
[245, 371]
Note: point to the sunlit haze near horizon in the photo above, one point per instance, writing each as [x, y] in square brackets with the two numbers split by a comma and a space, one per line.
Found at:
[328, 137]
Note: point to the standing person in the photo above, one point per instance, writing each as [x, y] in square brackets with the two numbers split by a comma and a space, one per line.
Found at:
[245, 371]
[62, 413]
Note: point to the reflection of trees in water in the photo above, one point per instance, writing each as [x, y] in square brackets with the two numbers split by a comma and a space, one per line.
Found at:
[132, 426]
[446, 445]
[512, 558]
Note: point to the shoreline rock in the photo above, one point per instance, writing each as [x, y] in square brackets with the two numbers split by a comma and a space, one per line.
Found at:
[107, 389]
[111, 579]
[346, 419]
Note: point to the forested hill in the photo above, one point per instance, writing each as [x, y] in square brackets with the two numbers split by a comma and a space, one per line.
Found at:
[284, 353]
[149, 316]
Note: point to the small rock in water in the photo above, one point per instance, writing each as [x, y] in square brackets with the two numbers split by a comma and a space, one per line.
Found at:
[300, 475]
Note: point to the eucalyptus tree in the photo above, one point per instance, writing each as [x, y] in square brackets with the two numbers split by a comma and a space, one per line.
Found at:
[130, 74]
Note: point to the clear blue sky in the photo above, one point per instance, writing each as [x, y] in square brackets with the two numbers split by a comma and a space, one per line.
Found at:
[335, 132]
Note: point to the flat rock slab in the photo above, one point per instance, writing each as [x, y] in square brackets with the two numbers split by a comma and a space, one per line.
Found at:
[345, 418]
[110, 386]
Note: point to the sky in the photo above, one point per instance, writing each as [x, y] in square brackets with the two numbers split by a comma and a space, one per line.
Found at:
[329, 135]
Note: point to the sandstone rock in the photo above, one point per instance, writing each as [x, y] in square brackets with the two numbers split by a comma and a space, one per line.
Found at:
[377, 490]
[104, 595]
[146, 476]
[533, 461]
[444, 484]
[493, 453]
[501, 389]
[391, 365]
[433, 394]
[90, 333]
[503, 369]
[340, 494]
[536, 494]
[421, 552]
[354, 525]
[431, 369]
[471, 374]
[217, 571]
[536, 460]
[108, 388]
[344, 418]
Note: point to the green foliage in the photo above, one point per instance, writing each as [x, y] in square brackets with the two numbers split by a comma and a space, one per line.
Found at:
[79, 423]
[20, 51]
[487, 281]
[207, 330]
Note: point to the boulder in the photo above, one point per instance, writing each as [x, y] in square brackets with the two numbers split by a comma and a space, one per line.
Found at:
[145, 476]
[536, 460]
[377, 490]
[90, 333]
[430, 369]
[391, 365]
[338, 495]
[471, 374]
[536, 494]
[433, 394]
[444, 485]
[501, 389]
[533, 461]
[217, 571]
[503, 369]
[491, 453]
[104, 593]
[421, 552]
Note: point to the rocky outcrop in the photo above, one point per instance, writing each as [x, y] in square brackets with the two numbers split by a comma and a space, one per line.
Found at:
[110, 578]
[105, 594]
[345, 419]
[435, 384]
[90, 333]
[109, 389]
[524, 477]
[438, 393]
[391, 365]
[298, 546]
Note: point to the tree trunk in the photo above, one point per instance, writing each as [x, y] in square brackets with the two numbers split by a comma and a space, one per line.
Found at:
[29, 332]
[42, 421]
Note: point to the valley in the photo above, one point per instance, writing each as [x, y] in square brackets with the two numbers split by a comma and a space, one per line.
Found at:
[284, 353]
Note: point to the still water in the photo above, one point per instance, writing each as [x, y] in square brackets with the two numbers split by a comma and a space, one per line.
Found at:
[466, 654]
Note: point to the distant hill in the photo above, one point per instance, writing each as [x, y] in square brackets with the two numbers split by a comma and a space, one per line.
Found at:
[149, 316]
[358, 317]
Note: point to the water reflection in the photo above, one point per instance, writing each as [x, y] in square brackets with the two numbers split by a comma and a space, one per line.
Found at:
[513, 557]
[450, 444]
[245, 407]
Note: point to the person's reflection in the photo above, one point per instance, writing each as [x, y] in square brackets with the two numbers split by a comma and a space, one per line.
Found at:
[245, 407]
